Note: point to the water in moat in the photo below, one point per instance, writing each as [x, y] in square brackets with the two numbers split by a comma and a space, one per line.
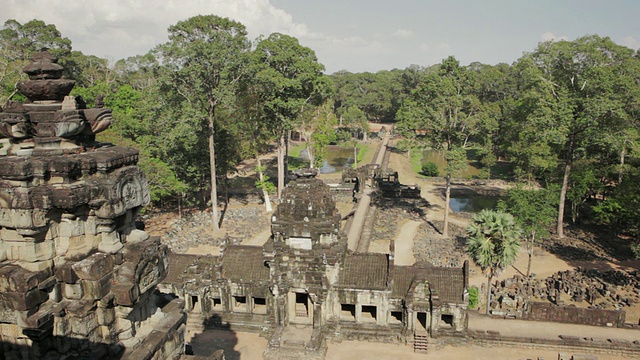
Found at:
[472, 204]
[337, 159]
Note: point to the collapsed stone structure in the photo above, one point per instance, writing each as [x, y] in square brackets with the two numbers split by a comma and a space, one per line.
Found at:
[600, 296]
[76, 275]
[389, 185]
[304, 277]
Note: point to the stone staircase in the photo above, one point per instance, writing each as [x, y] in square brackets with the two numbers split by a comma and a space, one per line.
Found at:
[296, 342]
[194, 326]
[420, 342]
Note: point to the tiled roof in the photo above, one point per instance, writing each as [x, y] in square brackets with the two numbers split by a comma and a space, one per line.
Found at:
[183, 268]
[241, 263]
[364, 271]
[402, 277]
[448, 283]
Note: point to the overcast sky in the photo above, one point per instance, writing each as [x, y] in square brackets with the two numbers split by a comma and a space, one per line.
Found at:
[355, 35]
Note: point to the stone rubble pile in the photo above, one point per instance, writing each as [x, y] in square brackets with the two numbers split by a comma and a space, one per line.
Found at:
[194, 229]
[430, 246]
[611, 289]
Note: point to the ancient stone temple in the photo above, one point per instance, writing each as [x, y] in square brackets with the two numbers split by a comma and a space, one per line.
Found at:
[303, 287]
[77, 278]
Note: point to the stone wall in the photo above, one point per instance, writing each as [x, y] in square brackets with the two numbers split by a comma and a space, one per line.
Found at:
[570, 314]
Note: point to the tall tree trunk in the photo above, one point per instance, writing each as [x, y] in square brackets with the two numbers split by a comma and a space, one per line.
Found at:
[212, 164]
[489, 293]
[355, 155]
[563, 196]
[312, 158]
[265, 193]
[621, 169]
[445, 229]
[530, 251]
[287, 141]
[281, 173]
[564, 188]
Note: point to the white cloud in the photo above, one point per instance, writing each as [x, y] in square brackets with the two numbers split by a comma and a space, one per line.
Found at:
[631, 42]
[122, 28]
[402, 33]
[549, 36]
[424, 47]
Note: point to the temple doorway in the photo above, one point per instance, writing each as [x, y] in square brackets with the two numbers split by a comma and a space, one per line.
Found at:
[300, 307]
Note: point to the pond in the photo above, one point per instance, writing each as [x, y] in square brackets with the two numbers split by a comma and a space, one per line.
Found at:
[436, 157]
[472, 204]
[337, 159]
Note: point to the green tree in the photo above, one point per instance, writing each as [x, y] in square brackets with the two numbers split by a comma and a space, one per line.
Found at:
[288, 78]
[356, 120]
[587, 92]
[534, 211]
[493, 243]
[456, 158]
[202, 65]
[446, 113]
[316, 124]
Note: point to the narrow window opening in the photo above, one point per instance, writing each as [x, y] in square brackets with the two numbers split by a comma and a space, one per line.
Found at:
[259, 305]
[240, 304]
[396, 317]
[348, 312]
[446, 320]
[369, 313]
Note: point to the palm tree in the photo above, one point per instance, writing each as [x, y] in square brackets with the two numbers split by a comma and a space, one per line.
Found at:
[493, 242]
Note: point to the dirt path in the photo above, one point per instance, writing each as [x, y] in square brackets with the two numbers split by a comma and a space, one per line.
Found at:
[404, 243]
[429, 190]
[348, 350]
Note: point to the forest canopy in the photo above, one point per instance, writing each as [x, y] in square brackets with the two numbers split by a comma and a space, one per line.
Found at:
[564, 115]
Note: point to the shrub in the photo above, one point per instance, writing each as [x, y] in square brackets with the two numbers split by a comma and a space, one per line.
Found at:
[430, 169]
[473, 297]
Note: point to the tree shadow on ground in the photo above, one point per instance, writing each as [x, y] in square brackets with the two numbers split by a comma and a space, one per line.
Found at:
[217, 336]
[589, 243]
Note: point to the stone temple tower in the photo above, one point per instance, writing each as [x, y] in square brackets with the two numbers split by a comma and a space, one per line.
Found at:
[77, 278]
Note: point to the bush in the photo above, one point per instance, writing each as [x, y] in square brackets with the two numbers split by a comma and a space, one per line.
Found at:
[473, 297]
[430, 169]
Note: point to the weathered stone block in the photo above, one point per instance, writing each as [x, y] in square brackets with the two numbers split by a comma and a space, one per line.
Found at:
[96, 289]
[38, 266]
[83, 325]
[71, 228]
[7, 313]
[106, 316]
[72, 291]
[109, 242]
[43, 318]
[91, 226]
[66, 274]
[32, 252]
[107, 334]
[126, 294]
[23, 301]
[11, 235]
[10, 330]
[13, 278]
[135, 236]
[52, 232]
[62, 245]
[80, 247]
[61, 327]
[94, 267]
